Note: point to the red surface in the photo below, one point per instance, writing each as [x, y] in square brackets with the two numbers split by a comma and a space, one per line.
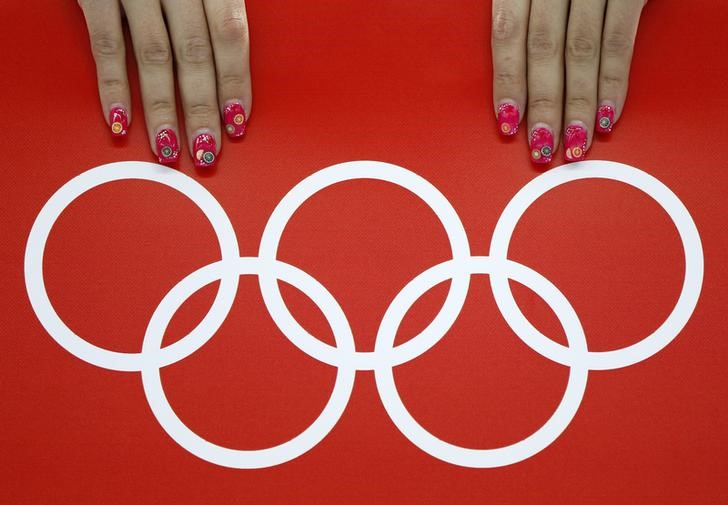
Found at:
[403, 82]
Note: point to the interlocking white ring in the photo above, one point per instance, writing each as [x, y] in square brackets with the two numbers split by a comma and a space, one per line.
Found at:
[344, 355]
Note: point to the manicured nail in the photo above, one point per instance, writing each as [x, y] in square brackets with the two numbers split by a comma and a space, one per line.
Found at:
[119, 121]
[605, 118]
[204, 149]
[167, 146]
[235, 121]
[575, 138]
[508, 118]
[542, 145]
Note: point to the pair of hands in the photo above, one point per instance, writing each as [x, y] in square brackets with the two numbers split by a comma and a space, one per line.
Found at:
[564, 62]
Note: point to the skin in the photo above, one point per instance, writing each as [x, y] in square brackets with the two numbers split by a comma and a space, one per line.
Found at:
[560, 60]
[557, 60]
[205, 41]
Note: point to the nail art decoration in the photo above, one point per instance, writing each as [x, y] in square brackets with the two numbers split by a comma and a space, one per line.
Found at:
[542, 145]
[204, 148]
[575, 138]
[508, 118]
[605, 119]
[118, 121]
[167, 146]
[235, 120]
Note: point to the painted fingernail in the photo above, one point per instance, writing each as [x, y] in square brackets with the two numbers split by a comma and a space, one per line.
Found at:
[167, 146]
[235, 120]
[508, 118]
[118, 121]
[204, 149]
[542, 145]
[605, 118]
[575, 138]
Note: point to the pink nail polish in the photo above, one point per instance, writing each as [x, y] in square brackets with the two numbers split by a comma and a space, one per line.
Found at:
[605, 119]
[204, 149]
[119, 121]
[575, 138]
[167, 146]
[542, 145]
[508, 117]
[235, 121]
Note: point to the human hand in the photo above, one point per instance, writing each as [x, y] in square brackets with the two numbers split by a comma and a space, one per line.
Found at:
[207, 40]
[541, 47]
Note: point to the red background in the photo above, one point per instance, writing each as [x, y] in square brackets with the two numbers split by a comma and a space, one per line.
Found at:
[408, 83]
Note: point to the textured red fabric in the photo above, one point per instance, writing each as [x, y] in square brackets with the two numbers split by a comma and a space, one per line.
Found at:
[407, 83]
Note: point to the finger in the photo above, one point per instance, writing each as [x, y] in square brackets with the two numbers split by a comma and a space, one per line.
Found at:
[228, 24]
[103, 19]
[583, 43]
[196, 77]
[508, 42]
[620, 31]
[545, 46]
[156, 78]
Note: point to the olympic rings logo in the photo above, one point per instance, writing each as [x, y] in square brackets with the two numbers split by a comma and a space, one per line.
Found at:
[343, 355]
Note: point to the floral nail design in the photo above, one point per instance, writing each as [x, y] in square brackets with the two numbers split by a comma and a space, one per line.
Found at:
[204, 148]
[235, 120]
[167, 146]
[605, 119]
[575, 138]
[542, 145]
[508, 118]
[118, 121]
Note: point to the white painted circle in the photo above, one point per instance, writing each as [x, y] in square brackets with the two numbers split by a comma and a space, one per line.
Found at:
[346, 172]
[673, 324]
[35, 283]
[501, 456]
[209, 451]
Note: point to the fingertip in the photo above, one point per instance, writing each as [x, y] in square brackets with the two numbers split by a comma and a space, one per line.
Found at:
[204, 148]
[118, 119]
[541, 143]
[605, 119]
[235, 118]
[508, 115]
[576, 141]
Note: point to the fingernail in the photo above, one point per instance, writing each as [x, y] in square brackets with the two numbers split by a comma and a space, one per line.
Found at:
[542, 145]
[575, 138]
[118, 121]
[235, 120]
[204, 149]
[167, 146]
[605, 118]
[508, 118]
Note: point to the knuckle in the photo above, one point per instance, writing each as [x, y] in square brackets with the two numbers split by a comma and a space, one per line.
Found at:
[232, 27]
[160, 108]
[617, 44]
[578, 102]
[200, 110]
[155, 52]
[543, 102]
[582, 48]
[231, 81]
[611, 81]
[105, 45]
[506, 79]
[111, 84]
[505, 25]
[195, 50]
[542, 44]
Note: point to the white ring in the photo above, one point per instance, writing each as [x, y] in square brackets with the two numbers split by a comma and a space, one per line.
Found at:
[209, 451]
[501, 456]
[669, 329]
[35, 283]
[345, 172]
